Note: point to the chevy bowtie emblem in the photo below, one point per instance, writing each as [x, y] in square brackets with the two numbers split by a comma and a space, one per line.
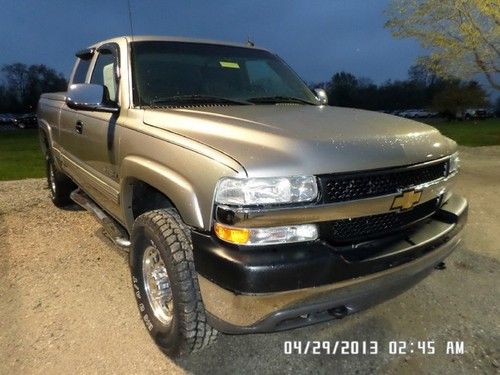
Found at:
[406, 200]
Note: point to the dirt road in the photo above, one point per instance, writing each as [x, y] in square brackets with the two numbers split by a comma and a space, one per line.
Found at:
[66, 304]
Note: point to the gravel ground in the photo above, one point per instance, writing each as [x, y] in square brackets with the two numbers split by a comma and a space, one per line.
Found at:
[66, 304]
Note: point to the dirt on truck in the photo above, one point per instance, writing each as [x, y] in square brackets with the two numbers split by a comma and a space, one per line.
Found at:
[247, 205]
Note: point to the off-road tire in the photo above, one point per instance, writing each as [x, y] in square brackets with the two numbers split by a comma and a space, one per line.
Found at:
[60, 185]
[188, 331]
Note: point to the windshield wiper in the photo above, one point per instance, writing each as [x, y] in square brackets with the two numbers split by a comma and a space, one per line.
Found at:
[279, 99]
[188, 99]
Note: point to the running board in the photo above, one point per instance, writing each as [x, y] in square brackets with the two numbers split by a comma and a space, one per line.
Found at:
[115, 231]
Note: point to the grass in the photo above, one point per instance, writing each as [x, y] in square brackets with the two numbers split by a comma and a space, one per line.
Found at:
[472, 132]
[20, 155]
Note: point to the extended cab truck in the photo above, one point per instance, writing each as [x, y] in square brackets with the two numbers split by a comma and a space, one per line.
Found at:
[246, 203]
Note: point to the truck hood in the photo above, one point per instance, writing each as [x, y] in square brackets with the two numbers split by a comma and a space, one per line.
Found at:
[279, 140]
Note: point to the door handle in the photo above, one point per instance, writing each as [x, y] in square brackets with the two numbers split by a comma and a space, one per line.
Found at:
[79, 127]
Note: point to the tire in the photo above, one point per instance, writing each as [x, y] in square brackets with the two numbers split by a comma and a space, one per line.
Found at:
[60, 185]
[161, 246]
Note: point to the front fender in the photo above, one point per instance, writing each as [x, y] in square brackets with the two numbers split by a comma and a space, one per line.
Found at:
[175, 186]
[189, 189]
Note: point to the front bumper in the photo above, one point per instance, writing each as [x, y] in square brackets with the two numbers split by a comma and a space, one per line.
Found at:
[288, 286]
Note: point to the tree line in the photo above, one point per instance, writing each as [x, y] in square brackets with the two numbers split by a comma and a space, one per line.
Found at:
[23, 85]
[421, 90]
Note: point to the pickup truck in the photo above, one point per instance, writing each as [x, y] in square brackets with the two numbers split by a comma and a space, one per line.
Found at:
[246, 203]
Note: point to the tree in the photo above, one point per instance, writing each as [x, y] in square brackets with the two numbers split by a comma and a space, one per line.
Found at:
[341, 89]
[9, 102]
[421, 75]
[426, 84]
[25, 85]
[458, 96]
[41, 78]
[16, 76]
[463, 36]
[497, 107]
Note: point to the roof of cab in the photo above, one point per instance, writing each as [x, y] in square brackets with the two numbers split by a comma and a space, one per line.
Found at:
[143, 38]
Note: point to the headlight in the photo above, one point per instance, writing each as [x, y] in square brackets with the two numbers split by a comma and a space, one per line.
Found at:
[274, 190]
[454, 163]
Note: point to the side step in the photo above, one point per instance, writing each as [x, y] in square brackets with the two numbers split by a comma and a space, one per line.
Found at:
[115, 231]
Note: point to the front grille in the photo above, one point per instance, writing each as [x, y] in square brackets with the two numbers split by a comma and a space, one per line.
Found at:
[368, 227]
[341, 187]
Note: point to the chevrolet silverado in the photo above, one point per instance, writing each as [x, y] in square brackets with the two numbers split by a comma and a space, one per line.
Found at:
[247, 204]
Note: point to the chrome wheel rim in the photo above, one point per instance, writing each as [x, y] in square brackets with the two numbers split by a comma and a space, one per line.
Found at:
[52, 179]
[157, 285]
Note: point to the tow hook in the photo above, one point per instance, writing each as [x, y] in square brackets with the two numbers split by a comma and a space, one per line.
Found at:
[440, 266]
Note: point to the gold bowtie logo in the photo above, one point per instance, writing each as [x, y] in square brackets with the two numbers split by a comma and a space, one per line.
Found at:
[406, 200]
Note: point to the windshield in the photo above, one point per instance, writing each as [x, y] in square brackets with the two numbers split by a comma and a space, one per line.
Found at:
[168, 73]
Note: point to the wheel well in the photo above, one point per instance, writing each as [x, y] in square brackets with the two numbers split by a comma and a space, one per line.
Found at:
[147, 198]
[44, 141]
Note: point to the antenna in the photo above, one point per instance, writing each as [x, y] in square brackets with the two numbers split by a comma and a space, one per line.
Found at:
[250, 43]
[135, 90]
[130, 20]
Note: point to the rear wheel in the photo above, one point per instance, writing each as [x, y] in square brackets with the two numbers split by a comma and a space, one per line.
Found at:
[166, 285]
[60, 185]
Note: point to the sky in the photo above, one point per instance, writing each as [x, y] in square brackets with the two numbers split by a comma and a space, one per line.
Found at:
[316, 37]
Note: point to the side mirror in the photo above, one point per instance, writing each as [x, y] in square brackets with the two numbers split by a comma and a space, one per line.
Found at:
[321, 96]
[89, 97]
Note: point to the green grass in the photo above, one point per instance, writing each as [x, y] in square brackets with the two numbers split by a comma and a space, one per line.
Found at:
[471, 132]
[20, 155]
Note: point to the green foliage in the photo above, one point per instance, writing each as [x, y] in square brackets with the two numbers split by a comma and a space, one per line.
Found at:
[456, 97]
[20, 155]
[463, 36]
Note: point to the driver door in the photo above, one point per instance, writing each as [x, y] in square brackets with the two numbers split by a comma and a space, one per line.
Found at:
[97, 147]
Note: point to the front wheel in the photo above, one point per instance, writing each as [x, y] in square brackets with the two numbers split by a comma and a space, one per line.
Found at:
[166, 285]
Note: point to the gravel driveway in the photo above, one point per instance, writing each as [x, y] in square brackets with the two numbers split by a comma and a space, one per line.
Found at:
[66, 304]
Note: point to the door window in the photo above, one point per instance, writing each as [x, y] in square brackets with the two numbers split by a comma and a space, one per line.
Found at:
[104, 74]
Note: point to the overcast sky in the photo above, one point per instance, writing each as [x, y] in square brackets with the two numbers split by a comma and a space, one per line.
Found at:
[317, 38]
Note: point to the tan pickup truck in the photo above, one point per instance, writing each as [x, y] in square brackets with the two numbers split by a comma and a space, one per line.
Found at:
[247, 204]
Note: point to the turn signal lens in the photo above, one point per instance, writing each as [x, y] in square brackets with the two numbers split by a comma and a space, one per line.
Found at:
[238, 236]
[266, 236]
